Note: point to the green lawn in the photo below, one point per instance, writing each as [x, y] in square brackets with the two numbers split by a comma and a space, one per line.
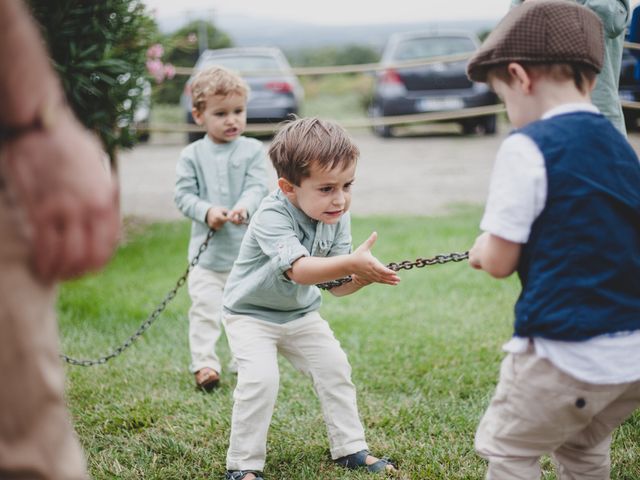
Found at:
[425, 359]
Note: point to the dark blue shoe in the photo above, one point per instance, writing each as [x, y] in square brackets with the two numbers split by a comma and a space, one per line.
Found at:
[358, 461]
[240, 474]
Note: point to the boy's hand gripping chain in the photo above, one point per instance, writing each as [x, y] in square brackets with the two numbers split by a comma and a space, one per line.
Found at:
[405, 265]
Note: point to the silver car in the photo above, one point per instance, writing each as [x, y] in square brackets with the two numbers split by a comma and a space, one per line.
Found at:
[275, 94]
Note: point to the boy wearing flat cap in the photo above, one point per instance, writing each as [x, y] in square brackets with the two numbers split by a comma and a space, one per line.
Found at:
[564, 212]
[614, 15]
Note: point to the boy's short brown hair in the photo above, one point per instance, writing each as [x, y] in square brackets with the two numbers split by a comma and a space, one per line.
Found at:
[582, 75]
[303, 142]
[542, 32]
[216, 80]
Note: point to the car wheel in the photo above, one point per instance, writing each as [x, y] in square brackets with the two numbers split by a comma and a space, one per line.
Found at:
[630, 121]
[193, 136]
[469, 126]
[490, 125]
[383, 131]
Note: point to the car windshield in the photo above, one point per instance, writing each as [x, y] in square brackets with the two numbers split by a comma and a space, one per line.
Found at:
[417, 48]
[246, 63]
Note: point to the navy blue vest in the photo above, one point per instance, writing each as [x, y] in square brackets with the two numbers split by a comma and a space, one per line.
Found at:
[580, 269]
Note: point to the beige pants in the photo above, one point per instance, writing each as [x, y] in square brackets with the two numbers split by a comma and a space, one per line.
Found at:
[537, 409]
[37, 440]
[205, 290]
[309, 344]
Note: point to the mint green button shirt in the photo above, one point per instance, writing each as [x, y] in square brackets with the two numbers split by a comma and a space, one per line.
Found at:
[279, 234]
[227, 175]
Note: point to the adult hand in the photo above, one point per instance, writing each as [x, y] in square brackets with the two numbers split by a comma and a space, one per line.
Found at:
[217, 217]
[69, 199]
[369, 268]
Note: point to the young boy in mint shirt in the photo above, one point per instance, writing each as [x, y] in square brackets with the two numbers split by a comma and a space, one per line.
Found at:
[220, 182]
[300, 236]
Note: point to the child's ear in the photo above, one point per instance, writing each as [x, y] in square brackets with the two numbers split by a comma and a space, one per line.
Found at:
[287, 188]
[197, 116]
[520, 76]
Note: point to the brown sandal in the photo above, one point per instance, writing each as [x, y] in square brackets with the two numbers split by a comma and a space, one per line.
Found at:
[207, 379]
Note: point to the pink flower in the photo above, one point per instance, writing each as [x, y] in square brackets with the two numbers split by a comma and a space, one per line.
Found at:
[192, 38]
[155, 51]
[156, 69]
[169, 71]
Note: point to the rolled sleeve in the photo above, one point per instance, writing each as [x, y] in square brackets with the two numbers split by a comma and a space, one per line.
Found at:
[274, 232]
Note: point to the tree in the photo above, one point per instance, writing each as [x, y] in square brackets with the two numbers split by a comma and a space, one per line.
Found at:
[99, 49]
[182, 50]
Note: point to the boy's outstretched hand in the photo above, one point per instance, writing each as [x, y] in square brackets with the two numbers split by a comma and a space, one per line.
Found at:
[368, 268]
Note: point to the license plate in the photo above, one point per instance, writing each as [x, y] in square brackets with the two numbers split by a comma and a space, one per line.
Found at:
[442, 103]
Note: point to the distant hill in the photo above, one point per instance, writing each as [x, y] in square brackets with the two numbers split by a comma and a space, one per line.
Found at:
[246, 30]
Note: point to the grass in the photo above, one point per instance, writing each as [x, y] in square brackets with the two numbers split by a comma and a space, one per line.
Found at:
[425, 358]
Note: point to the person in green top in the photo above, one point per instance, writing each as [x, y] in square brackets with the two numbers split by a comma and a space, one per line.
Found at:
[300, 236]
[220, 181]
[614, 15]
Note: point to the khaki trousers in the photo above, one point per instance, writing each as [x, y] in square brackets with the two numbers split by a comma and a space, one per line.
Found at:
[309, 344]
[37, 440]
[537, 409]
[205, 326]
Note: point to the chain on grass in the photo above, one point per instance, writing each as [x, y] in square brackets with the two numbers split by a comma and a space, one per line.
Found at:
[404, 265]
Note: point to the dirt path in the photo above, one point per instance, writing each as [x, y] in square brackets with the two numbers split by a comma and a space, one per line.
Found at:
[411, 175]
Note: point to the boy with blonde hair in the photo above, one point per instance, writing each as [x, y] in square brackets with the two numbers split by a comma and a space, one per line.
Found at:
[221, 180]
[300, 236]
[564, 211]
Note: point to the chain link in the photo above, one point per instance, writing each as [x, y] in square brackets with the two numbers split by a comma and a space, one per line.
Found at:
[150, 319]
[404, 265]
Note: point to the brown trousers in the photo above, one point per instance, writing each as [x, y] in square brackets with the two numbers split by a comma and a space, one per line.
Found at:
[37, 440]
[538, 409]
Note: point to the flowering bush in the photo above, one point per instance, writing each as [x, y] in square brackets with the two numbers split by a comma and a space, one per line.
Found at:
[156, 68]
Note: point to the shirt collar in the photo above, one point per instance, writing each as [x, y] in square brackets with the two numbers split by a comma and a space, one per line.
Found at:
[220, 147]
[299, 215]
[570, 108]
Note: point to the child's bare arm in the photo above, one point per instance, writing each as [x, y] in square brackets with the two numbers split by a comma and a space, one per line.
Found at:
[496, 256]
[353, 286]
[312, 270]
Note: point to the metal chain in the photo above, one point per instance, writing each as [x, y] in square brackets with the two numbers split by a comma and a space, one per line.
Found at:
[151, 318]
[404, 265]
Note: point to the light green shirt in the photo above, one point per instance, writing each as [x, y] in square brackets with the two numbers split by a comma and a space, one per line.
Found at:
[279, 234]
[614, 15]
[227, 175]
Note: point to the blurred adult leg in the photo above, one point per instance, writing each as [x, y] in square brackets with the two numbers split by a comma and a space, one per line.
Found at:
[37, 440]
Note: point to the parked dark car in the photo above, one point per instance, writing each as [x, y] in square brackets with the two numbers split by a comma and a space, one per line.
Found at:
[273, 97]
[430, 88]
[629, 88]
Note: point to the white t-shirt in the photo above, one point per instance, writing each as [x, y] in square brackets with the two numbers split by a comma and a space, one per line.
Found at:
[517, 195]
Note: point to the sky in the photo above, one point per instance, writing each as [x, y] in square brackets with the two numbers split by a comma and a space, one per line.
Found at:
[341, 12]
